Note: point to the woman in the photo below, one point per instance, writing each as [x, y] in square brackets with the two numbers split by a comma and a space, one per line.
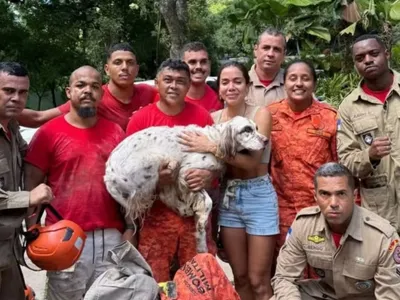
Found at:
[303, 138]
[249, 224]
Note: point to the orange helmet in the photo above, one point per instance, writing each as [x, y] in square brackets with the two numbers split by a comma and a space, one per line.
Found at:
[55, 247]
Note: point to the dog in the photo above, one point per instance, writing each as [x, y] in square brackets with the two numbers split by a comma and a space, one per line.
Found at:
[131, 174]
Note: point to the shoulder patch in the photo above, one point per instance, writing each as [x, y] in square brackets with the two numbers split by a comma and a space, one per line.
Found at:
[393, 244]
[380, 224]
[288, 234]
[338, 124]
[309, 211]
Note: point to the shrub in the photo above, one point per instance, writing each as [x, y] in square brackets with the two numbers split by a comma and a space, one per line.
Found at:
[334, 89]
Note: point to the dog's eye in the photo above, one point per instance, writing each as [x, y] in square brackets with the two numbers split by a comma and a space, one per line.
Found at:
[247, 129]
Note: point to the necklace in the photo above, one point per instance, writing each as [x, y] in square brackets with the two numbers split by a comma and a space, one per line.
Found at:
[242, 115]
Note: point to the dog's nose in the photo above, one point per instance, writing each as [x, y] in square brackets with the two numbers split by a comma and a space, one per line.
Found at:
[266, 142]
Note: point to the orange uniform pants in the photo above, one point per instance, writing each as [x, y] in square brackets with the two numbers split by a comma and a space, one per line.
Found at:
[165, 234]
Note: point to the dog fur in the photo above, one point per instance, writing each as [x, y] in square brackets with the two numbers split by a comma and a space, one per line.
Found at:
[132, 169]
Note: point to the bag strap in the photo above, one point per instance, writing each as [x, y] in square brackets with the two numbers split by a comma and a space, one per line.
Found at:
[32, 235]
[53, 211]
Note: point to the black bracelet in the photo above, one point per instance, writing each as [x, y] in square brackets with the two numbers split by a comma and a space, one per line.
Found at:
[130, 226]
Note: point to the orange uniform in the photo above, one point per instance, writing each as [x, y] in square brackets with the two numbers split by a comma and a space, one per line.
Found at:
[164, 232]
[301, 143]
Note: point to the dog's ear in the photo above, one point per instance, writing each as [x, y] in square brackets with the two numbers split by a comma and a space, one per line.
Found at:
[228, 144]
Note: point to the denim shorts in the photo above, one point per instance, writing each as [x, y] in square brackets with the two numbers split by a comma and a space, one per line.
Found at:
[251, 204]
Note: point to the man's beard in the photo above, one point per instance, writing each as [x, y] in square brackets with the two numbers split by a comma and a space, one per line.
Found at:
[87, 112]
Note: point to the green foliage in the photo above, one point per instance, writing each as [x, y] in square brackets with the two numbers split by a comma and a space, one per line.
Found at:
[208, 24]
[316, 25]
[52, 38]
[334, 89]
[227, 36]
[301, 20]
[395, 11]
[395, 58]
[379, 16]
[303, 2]
[11, 32]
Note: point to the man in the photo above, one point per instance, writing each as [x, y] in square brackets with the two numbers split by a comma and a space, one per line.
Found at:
[164, 232]
[195, 55]
[266, 75]
[70, 153]
[354, 252]
[121, 96]
[369, 130]
[14, 86]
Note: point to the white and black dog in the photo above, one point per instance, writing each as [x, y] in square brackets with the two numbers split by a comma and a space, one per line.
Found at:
[132, 170]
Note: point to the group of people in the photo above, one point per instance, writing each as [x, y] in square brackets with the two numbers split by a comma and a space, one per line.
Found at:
[271, 226]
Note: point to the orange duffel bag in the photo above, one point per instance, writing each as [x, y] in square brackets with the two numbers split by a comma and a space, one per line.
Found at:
[201, 278]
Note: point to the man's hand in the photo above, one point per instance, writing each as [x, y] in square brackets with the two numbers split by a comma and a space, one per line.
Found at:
[379, 148]
[41, 194]
[166, 174]
[130, 236]
[198, 179]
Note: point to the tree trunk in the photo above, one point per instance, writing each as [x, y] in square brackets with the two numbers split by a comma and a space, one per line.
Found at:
[175, 15]
[53, 94]
[182, 11]
[40, 97]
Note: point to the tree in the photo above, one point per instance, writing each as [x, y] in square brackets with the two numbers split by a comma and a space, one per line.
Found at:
[52, 38]
[40, 35]
[12, 32]
[380, 16]
[304, 21]
[175, 14]
[52, 48]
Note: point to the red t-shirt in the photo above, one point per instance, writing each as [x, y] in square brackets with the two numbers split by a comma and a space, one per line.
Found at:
[151, 115]
[209, 101]
[380, 95]
[266, 82]
[336, 239]
[114, 110]
[73, 160]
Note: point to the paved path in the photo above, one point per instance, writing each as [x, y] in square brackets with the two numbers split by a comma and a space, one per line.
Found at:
[37, 280]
